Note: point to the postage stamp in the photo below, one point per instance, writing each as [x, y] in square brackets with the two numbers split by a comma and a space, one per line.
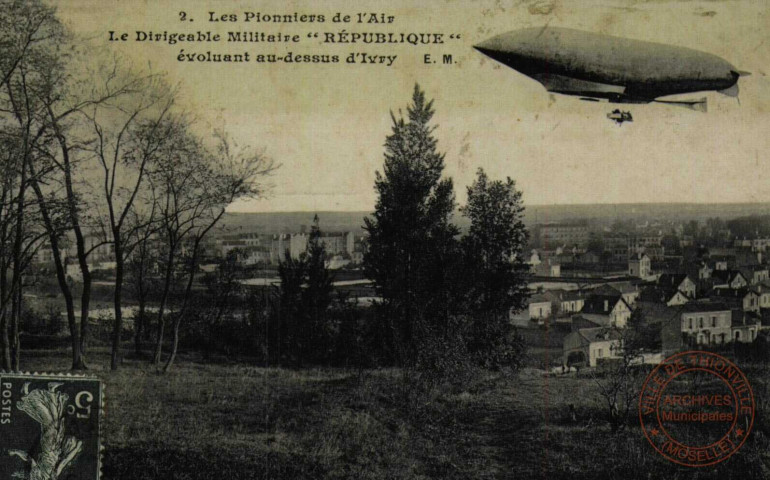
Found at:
[696, 408]
[49, 427]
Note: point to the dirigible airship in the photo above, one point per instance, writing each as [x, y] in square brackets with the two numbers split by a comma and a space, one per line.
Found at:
[602, 67]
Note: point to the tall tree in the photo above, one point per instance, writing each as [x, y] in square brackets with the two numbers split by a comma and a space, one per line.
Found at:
[73, 90]
[181, 195]
[47, 92]
[411, 238]
[495, 272]
[129, 137]
[30, 35]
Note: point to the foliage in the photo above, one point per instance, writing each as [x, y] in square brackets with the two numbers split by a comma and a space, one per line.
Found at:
[750, 226]
[595, 243]
[411, 243]
[48, 322]
[446, 301]
[495, 274]
[305, 298]
[317, 295]
[671, 244]
[618, 380]
[642, 335]
[221, 300]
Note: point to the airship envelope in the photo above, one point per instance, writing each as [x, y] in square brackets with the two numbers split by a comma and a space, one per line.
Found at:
[621, 70]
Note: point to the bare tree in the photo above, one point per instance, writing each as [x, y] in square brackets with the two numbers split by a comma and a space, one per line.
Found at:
[129, 134]
[232, 173]
[140, 268]
[30, 34]
[47, 96]
[619, 379]
[72, 157]
[181, 196]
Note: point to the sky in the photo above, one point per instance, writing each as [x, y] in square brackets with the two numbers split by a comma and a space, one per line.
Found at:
[326, 124]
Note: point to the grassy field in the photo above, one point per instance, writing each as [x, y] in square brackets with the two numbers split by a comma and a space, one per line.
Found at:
[237, 421]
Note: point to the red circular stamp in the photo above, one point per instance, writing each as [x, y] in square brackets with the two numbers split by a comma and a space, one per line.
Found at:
[696, 408]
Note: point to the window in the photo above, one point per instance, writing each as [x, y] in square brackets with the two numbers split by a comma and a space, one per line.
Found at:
[713, 321]
[599, 353]
[690, 323]
[700, 322]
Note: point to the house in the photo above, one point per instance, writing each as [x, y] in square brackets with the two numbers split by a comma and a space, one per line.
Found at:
[745, 326]
[706, 323]
[742, 242]
[571, 301]
[744, 299]
[590, 345]
[573, 233]
[746, 257]
[664, 296]
[704, 271]
[628, 290]
[755, 274]
[248, 256]
[699, 271]
[760, 244]
[678, 281]
[539, 306]
[293, 243]
[656, 253]
[587, 258]
[617, 248]
[640, 265]
[728, 279]
[548, 268]
[606, 308]
[43, 256]
[338, 243]
[722, 262]
[763, 290]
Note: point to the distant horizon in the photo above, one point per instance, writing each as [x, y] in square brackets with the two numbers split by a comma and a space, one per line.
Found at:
[525, 206]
